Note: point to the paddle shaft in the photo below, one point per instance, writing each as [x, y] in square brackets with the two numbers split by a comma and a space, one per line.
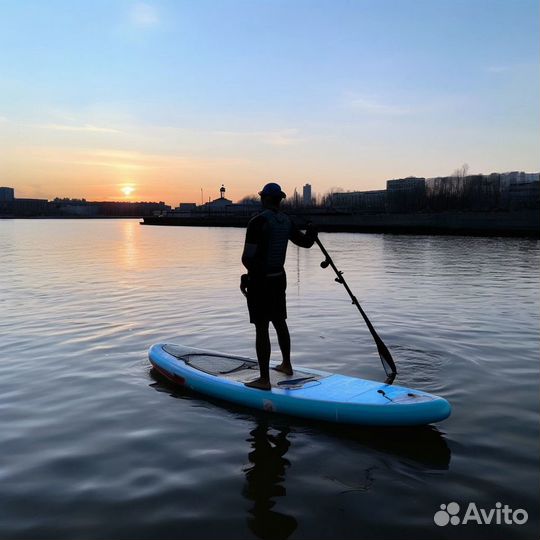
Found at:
[384, 353]
[382, 349]
[341, 279]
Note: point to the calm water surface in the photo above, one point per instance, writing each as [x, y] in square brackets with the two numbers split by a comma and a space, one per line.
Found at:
[94, 445]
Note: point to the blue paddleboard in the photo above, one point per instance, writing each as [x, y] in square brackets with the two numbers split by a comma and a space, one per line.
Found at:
[308, 393]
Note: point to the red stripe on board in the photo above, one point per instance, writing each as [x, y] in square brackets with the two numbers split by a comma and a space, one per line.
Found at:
[171, 376]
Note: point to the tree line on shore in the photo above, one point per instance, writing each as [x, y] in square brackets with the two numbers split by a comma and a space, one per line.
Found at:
[457, 192]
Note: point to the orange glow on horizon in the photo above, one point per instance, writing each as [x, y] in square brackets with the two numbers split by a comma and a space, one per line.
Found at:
[99, 174]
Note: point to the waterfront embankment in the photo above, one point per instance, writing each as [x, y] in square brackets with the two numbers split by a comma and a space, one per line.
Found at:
[524, 223]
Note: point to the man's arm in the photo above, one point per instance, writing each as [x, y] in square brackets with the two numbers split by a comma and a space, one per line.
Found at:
[305, 240]
[248, 256]
[253, 236]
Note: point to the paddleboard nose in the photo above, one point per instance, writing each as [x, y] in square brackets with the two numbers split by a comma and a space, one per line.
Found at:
[445, 409]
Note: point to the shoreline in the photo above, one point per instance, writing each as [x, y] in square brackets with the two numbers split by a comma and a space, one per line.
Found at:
[72, 217]
[518, 224]
[525, 223]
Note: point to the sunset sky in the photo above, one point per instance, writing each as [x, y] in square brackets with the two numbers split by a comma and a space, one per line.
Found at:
[167, 97]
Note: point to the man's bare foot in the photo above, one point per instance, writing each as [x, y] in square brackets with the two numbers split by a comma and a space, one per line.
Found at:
[260, 384]
[284, 368]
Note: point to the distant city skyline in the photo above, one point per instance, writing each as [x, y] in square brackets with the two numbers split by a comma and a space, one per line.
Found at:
[153, 101]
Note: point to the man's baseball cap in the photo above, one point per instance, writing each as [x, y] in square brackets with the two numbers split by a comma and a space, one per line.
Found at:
[272, 189]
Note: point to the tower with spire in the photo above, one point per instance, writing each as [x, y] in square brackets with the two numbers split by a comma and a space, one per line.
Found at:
[219, 203]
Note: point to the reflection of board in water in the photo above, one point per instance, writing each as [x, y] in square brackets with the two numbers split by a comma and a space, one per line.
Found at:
[423, 446]
[308, 393]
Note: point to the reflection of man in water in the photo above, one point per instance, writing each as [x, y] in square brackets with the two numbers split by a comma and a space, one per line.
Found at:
[264, 482]
[265, 249]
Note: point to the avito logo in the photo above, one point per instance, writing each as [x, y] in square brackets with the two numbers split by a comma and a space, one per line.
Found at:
[449, 513]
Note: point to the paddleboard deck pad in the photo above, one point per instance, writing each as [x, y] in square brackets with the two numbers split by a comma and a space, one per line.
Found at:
[308, 393]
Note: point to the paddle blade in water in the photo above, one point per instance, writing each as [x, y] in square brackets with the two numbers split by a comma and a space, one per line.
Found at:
[387, 360]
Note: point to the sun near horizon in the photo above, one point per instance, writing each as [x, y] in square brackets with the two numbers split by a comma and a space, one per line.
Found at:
[128, 190]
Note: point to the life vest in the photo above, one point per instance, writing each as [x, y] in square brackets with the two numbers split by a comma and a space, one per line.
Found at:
[277, 233]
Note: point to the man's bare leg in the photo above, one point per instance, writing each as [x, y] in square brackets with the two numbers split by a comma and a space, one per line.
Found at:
[284, 340]
[262, 345]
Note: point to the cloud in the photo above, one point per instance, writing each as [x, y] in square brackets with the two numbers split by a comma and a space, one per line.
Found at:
[129, 161]
[89, 128]
[371, 106]
[109, 158]
[143, 15]
[497, 69]
[283, 137]
[287, 137]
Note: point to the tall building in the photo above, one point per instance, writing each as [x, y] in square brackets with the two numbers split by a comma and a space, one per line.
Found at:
[10, 206]
[7, 194]
[306, 195]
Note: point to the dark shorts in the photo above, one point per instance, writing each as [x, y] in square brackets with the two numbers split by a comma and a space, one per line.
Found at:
[266, 298]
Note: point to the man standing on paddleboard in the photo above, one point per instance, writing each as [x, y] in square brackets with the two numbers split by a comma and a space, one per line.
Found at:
[267, 236]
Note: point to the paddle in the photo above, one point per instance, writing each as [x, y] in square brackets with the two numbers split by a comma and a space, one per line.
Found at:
[384, 354]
